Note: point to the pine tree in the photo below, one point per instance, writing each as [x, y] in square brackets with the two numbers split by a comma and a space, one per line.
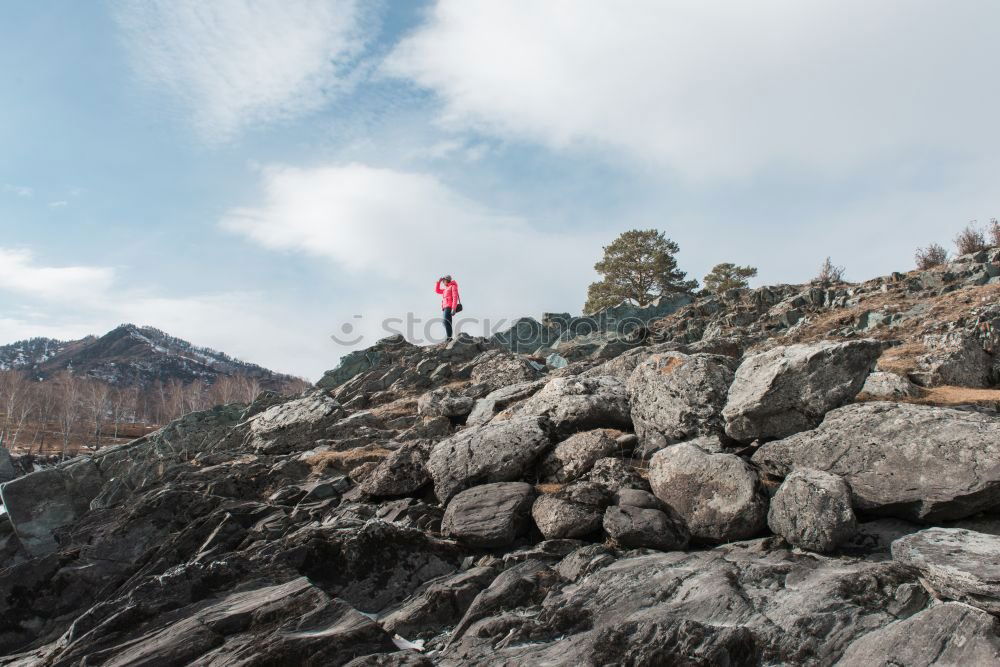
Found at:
[728, 276]
[640, 265]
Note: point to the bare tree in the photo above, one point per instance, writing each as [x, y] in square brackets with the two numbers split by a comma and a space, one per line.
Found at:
[931, 256]
[994, 232]
[68, 407]
[829, 274]
[96, 395]
[971, 239]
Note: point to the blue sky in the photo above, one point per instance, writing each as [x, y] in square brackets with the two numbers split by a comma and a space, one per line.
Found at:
[250, 175]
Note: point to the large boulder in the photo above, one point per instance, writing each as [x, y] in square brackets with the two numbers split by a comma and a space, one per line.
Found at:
[42, 503]
[954, 358]
[955, 563]
[888, 386]
[491, 515]
[444, 402]
[576, 455]
[497, 369]
[719, 496]
[574, 511]
[946, 634]
[401, 473]
[577, 403]
[676, 396]
[294, 425]
[913, 462]
[496, 452]
[788, 389]
[487, 407]
[812, 510]
[655, 528]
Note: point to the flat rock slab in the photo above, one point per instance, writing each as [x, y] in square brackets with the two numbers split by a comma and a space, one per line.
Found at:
[946, 634]
[955, 563]
[912, 462]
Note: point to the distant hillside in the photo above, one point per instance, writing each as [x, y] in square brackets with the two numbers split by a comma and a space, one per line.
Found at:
[132, 356]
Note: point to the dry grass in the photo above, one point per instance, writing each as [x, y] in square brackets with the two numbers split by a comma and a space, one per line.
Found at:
[402, 407]
[549, 488]
[901, 359]
[950, 395]
[348, 460]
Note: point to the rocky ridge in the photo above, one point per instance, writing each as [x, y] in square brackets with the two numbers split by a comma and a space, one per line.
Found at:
[717, 485]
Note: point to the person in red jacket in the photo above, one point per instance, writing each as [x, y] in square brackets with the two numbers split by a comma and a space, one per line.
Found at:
[448, 289]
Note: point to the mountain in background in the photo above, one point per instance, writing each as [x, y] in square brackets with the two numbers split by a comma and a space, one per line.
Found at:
[132, 356]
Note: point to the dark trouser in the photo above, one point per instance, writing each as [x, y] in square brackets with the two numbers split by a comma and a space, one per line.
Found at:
[447, 321]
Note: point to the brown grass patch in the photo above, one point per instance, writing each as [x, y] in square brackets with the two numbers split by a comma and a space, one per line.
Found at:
[673, 363]
[902, 359]
[950, 395]
[548, 488]
[402, 407]
[346, 460]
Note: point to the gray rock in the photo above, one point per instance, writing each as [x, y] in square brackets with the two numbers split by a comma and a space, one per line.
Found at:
[954, 358]
[719, 496]
[496, 452]
[501, 369]
[788, 389]
[614, 475]
[294, 425]
[678, 396]
[575, 511]
[491, 515]
[632, 526]
[577, 403]
[487, 407]
[403, 472]
[889, 386]
[638, 498]
[955, 563]
[812, 510]
[574, 457]
[44, 502]
[440, 603]
[945, 634]
[885, 450]
[444, 402]
[624, 364]
[583, 561]
[7, 469]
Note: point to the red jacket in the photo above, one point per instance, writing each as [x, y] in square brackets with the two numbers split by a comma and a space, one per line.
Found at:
[449, 294]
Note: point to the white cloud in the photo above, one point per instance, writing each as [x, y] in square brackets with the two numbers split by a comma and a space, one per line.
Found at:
[718, 89]
[398, 231]
[19, 273]
[237, 63]
[19, 190]
[58, 204]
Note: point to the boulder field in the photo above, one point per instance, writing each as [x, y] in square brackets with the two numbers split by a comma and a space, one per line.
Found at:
[724, 491]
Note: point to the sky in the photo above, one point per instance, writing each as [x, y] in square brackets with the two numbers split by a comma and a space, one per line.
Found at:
[266, 176]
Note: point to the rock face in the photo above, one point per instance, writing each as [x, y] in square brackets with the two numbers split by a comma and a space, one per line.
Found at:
[946, 634]
[497, 369]
[295, 424]
[576, 404]
[44, 502]
[491, 515]
[719, 496]
[956, 564]
[7, 469]
[677, 397]
[575, 456]
[812, 510]
[497, 452]
[789, 389]
[487, 407]
[885, 450]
